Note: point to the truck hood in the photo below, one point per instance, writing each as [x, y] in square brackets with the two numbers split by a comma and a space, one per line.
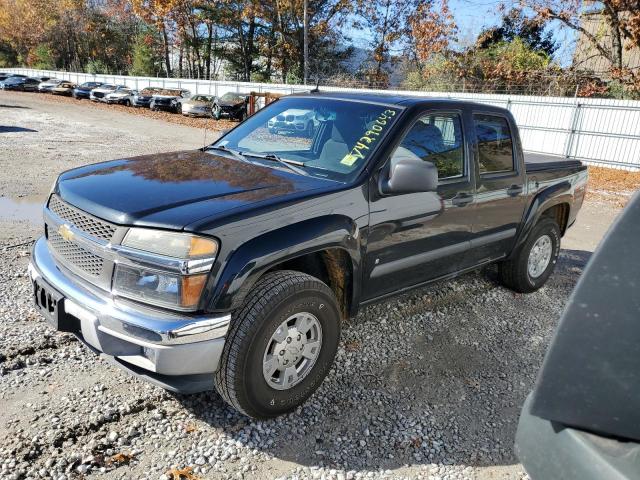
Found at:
[172, 190]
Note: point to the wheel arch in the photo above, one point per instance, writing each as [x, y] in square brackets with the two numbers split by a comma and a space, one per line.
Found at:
[327, 248]
[555, 202]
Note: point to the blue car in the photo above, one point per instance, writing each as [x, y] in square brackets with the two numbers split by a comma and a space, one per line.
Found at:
[84, 90]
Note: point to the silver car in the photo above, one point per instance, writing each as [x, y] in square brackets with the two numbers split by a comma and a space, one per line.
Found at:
[294, 121]
[48, 85]
[198, 106]
[121, 96]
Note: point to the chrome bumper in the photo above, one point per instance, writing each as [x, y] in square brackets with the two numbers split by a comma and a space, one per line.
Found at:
[157, 341]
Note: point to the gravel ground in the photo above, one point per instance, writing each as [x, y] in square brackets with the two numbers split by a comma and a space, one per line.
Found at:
[428, 385]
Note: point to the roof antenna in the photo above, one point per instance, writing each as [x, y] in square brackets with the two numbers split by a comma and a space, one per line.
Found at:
[316, 89]
[204, 146]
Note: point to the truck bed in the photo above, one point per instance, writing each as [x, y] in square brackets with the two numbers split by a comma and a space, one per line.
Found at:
[537, 162]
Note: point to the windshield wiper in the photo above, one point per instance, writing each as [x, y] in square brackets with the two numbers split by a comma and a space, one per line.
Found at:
[235, 153]
[290, 164]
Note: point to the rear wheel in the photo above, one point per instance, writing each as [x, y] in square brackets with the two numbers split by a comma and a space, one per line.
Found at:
[535, 261]
[281, 345]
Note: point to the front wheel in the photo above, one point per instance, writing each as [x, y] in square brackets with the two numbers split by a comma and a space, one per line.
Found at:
[534, 263]
[281, 345]
[216, 112]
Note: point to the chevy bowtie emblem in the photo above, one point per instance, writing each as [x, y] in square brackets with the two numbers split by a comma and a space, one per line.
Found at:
[65, 232]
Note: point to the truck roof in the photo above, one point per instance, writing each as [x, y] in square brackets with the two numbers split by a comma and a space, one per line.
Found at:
[395, 99]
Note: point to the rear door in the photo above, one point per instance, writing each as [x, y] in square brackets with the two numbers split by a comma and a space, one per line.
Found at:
[418, 237]
[500, 177]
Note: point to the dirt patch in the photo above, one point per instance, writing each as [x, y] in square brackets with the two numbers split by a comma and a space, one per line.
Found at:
[611, 185]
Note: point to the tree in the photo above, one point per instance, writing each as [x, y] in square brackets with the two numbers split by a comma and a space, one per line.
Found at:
[620, 17]
[515, 24]
[431, 29]
[145, 59]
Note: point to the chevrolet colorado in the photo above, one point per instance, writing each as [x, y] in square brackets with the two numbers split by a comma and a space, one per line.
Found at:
[232, 266]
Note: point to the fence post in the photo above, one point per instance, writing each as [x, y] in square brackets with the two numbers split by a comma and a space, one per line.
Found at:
[568, 147]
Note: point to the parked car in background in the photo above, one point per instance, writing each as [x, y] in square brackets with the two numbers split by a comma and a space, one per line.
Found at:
[99, 94]
[294, 121]
[4, 76]
[64, 88]
[198, 106]
[84, 90]
[122, 96]
[169, 99]
[143, 97]
[46, 86]
[230, 105]
[23, 84]
[42, 79]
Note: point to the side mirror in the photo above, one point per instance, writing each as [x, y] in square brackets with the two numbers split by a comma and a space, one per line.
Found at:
[409, 174]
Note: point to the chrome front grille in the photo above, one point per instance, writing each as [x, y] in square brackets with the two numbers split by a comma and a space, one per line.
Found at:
[80, 251]
[85, 261]
[81, 220]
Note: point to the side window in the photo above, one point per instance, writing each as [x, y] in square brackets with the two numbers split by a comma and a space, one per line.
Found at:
[437, 138]
[495, 144]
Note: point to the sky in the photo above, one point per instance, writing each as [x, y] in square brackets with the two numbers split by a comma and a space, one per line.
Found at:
[472, 16]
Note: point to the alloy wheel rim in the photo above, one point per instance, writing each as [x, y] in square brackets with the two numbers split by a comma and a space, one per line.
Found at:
[292, 351]
[540, 256]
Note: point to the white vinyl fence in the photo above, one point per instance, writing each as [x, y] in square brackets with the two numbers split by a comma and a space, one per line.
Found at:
[597, 131]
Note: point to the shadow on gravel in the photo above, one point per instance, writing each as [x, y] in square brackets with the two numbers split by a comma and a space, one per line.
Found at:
[2, 105]
[7, 129]
[438, 375]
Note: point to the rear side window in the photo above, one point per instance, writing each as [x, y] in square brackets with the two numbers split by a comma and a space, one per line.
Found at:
[437, 138]
[495, 145]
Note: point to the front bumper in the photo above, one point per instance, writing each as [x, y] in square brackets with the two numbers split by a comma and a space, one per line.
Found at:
[196, 111]
[141, 103]
[177, 351]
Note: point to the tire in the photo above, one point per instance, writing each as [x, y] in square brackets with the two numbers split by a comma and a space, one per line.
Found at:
[127, 103]
[516, 273]
[276, 298]
[216, 112]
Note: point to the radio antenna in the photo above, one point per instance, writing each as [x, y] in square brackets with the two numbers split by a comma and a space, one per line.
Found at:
[204, 141]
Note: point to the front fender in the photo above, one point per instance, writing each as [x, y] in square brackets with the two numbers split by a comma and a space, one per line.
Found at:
[253, 258]
[553, 195]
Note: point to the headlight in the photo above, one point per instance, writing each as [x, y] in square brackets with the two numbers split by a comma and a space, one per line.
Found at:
[158, 287]
[168, 268]
[171, 244]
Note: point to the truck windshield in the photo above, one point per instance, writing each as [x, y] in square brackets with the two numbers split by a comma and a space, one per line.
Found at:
[329, 138]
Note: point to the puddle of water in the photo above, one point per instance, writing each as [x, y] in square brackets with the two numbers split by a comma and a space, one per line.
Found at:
[27, 208]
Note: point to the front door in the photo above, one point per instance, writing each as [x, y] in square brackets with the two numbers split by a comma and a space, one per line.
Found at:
[421, 236]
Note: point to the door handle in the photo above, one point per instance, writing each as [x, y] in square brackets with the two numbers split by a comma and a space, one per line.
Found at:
[462, 199]
[514, 190]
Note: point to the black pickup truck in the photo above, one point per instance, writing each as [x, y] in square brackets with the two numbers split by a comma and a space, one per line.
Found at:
[233, 266]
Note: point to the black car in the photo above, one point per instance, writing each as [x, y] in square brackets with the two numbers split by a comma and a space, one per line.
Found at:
[84, 90]
[24, 84]
[169, 99]
[230, 105]
[232, 266]
[144, 97]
